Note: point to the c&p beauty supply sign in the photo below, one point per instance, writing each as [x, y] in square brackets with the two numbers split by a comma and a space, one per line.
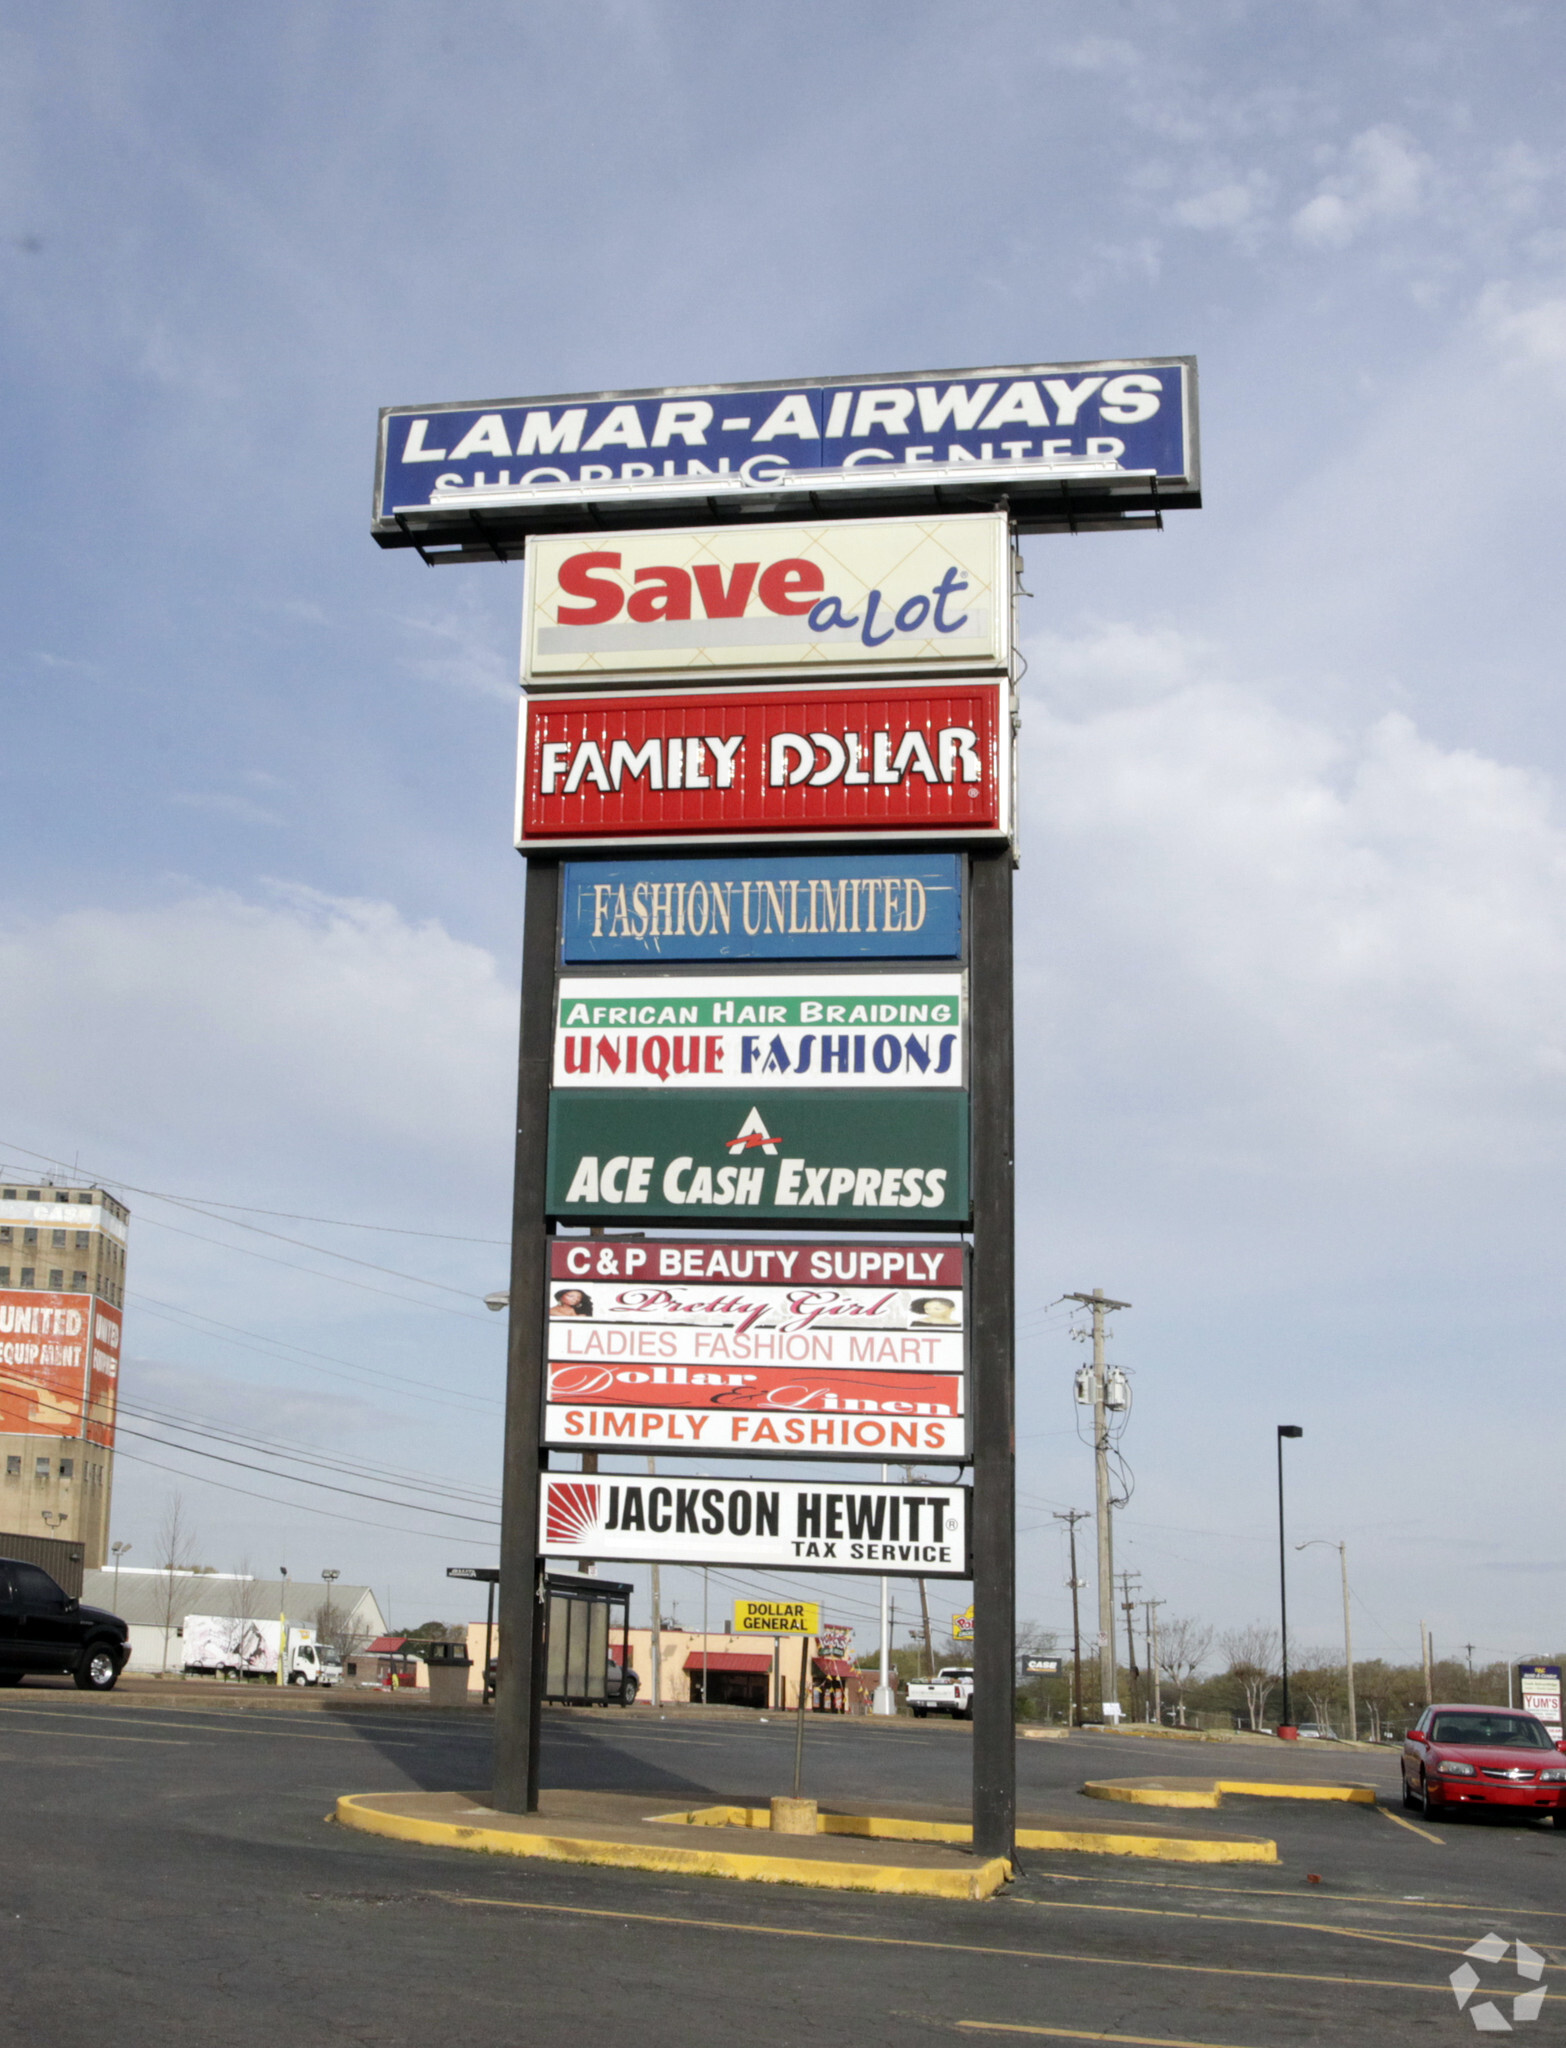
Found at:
[780, 1349]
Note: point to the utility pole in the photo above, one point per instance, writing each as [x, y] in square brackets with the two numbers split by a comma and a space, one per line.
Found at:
[1129, 1605]
[656, 1645]
[1108, 1685]
[1154, 1681]
[1071, 1520]
[1427, 1652]
[1469, 1651]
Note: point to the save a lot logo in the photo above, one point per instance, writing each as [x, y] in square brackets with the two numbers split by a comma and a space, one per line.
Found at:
[823, 1031]
[922, 591]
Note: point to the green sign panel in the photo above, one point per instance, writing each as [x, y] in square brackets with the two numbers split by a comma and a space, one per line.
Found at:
[801, 1155]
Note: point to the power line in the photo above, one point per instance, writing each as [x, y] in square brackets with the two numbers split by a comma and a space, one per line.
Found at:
[146, 1304]
[339, 1279]
[251, 1208]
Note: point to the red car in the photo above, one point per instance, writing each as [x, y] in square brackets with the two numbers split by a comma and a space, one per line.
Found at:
[1483, 1756]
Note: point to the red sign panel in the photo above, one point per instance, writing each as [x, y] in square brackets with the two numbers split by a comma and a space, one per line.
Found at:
[59, 1365]
[900, 761]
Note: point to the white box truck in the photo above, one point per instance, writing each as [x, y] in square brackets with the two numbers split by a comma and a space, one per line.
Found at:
[216, 1644]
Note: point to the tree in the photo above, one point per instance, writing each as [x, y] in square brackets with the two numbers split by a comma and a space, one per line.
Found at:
[174, 1548]
[1252, 1652]
[1183, 1647]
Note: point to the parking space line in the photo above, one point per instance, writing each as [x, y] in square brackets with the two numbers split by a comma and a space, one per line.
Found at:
[1389, 1940]
[1398, 1821]
[97, 1735]
[1440, 1989]
[1087, 2034]
[55, 1715]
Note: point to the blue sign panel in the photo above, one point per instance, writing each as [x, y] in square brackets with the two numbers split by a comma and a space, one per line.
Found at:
[1045, 431]
[801, 907]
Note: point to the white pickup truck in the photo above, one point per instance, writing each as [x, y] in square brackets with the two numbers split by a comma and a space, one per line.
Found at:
[949, 1692]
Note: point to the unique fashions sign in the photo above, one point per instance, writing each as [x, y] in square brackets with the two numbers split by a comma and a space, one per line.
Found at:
[761, 1349]
[919, 1530]
[915, 594]
[914, 760]
[746, 1031]
[812, 906]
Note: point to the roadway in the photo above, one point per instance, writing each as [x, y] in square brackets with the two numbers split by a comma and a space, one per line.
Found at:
[169, 1879]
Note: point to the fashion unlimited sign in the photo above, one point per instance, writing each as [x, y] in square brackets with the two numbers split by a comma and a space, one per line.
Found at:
[914, 1529]
[850, 1351]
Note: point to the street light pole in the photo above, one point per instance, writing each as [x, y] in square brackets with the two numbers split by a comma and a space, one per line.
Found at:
[1348, 1628]
[1284, 1429]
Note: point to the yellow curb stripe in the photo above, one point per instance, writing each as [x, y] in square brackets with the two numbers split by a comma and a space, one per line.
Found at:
[1210, 1791]
[1075, 1841]
[979, 1883]
[1088, 2034]
[1398, 1821]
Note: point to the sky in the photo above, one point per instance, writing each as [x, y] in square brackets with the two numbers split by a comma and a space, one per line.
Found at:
[1292, 928]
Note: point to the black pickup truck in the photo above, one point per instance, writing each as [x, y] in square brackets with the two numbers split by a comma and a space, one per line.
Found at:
[43, 1630]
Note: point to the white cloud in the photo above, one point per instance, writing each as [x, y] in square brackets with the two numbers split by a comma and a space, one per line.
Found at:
[212, 1027]
[1237, 204]
[1384, 176]
[1331, 947]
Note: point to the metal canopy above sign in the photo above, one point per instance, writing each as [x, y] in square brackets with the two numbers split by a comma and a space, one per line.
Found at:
[1058, 446]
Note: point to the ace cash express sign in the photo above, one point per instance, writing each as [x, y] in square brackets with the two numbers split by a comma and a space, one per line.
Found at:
[757, 1349]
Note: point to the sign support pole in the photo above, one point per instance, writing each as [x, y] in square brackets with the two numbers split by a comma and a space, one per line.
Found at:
[992, 1358]
[520, 1690]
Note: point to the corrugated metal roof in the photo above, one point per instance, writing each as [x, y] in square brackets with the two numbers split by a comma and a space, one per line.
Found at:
[726, 1660]
[150, 1600]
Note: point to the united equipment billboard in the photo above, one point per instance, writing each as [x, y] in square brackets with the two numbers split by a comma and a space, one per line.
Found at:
[1059, 446]
[925, 595]
[888, 761]
[59, 1365]
[919, 1530]
[767, 1350]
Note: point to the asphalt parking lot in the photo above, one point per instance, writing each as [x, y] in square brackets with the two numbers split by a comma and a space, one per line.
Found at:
[169, 1877]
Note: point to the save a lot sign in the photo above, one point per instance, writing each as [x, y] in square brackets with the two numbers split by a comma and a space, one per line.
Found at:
[754, 1096]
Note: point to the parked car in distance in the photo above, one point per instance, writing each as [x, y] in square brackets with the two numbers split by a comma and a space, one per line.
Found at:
[1463, 1756]
[44, 1631]
[949, 1692]
[1314, 1731]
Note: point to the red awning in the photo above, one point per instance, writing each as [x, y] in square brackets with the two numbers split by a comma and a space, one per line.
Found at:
[383, 1646]
[834, 1667]
[727, 1660]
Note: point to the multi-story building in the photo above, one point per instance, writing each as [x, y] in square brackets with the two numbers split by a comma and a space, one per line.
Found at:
[62, 1289]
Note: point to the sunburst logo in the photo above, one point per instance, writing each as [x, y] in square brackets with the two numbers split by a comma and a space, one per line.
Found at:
[572, 1514]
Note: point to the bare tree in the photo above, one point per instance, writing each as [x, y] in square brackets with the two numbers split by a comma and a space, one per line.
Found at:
[174, 1548]
[1252, 1652]
[1183, 1647]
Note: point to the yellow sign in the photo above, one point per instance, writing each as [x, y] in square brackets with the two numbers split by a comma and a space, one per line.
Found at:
[962, 1626]
[777, 1617]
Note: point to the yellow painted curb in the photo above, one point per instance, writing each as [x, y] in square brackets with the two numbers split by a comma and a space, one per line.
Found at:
[1210, 1792]
[1086, 1842]
[979, 1883]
